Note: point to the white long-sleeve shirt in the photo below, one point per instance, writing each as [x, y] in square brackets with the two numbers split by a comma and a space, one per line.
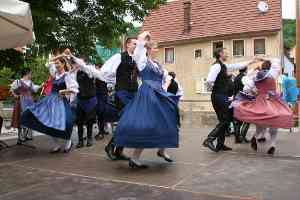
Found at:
[17, 83]
[216, 68]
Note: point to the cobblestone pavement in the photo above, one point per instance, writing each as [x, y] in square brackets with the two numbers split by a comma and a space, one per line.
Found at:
[242, 174]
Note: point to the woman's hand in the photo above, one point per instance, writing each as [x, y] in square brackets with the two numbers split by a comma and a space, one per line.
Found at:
[143, 36]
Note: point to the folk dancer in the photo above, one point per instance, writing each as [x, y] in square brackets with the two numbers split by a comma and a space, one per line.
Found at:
[53, 115]
[218, 82]
[268, 110]
[23, 90]
[151, 119]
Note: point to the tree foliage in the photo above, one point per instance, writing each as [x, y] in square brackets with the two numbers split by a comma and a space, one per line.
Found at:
[289, 33]
[103, 20]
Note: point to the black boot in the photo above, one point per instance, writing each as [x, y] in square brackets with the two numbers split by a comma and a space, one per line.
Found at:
[244, 131]
[254, 144]
[80, 136]
[237, 133]
[119, 154]
[109, 149]
[209, 144]
[80, 144]
[89, 142]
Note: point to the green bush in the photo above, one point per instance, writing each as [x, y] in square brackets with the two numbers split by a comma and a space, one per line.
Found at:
[6, 75]
[39, 70]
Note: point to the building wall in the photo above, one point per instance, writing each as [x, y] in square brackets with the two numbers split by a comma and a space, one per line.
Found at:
[190, 72]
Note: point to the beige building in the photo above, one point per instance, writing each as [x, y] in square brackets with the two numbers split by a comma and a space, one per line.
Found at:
[188, 32]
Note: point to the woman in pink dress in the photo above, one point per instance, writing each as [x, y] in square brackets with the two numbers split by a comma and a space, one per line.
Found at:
[267, 110]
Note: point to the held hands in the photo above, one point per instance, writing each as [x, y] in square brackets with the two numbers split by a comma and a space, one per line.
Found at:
[145, 36]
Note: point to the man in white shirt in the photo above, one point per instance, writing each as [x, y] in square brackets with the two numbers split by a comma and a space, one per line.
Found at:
[218, 83]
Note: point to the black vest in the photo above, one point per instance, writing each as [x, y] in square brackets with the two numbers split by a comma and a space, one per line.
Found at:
[222, 83]
[101, 87]
[126, 77]
[86, 84]
[173, 87]
[238, 84]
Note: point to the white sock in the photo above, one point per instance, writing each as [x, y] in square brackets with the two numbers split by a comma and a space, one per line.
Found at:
[68, 144]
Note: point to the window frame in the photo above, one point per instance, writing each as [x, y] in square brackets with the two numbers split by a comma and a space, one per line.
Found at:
[171, 47]
[243, 46]
[195, 54]
[259, 38]
[212, 46]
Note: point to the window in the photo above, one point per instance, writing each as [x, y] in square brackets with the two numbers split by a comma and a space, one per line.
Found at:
[201, 86]
[238, 48]
[217, 45]
[169, 55]
[259, 47]
[198, 53]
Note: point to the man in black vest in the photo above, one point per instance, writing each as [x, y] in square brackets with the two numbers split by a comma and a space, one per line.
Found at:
[173, 86]
[218, 81]
[126, 86]
[86, 107]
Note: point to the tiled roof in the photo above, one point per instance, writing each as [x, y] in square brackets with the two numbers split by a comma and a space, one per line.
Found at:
[211, 18]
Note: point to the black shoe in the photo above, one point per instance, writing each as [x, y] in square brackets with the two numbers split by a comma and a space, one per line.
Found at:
[69, 149]
[54, 151]
[89, 142]
[254, 144]
[164, 157]
[210, 145]
[271, 151]
[238, 139]
[122, 157]
[223, 148]
[261, 140]
[109, 152]
[245, 139]
[226, 148]
[100, 136]
[133, 165]
[80, 144]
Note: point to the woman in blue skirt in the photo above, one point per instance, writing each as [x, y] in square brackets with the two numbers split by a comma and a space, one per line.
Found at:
[151, 119]
[53, 115]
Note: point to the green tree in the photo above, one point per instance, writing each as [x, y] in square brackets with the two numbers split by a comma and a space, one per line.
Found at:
[98, 19]
[289, 33]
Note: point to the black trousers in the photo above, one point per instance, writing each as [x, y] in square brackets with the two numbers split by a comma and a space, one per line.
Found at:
[85, 119]
[220, 104]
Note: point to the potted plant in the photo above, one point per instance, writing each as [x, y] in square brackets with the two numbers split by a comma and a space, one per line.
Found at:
[5, 81]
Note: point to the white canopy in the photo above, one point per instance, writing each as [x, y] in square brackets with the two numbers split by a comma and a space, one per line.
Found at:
[15, 23]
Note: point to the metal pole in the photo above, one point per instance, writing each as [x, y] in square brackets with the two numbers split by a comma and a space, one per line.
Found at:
[298, 41]
[298, 52]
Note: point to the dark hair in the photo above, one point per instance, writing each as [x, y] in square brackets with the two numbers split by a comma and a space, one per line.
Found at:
[172, 74]
[25, 71]
[218, 52]
[56, 51]
[243, 70]
[62, 60]
[266, 65]
[128, 40]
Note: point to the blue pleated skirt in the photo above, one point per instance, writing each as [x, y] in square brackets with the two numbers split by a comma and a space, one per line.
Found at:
[150, 120]
[52, 116]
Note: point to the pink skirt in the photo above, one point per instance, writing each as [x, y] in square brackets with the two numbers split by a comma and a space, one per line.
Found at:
[264, 111]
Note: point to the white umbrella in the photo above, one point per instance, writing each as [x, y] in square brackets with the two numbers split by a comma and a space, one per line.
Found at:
[15, 24]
